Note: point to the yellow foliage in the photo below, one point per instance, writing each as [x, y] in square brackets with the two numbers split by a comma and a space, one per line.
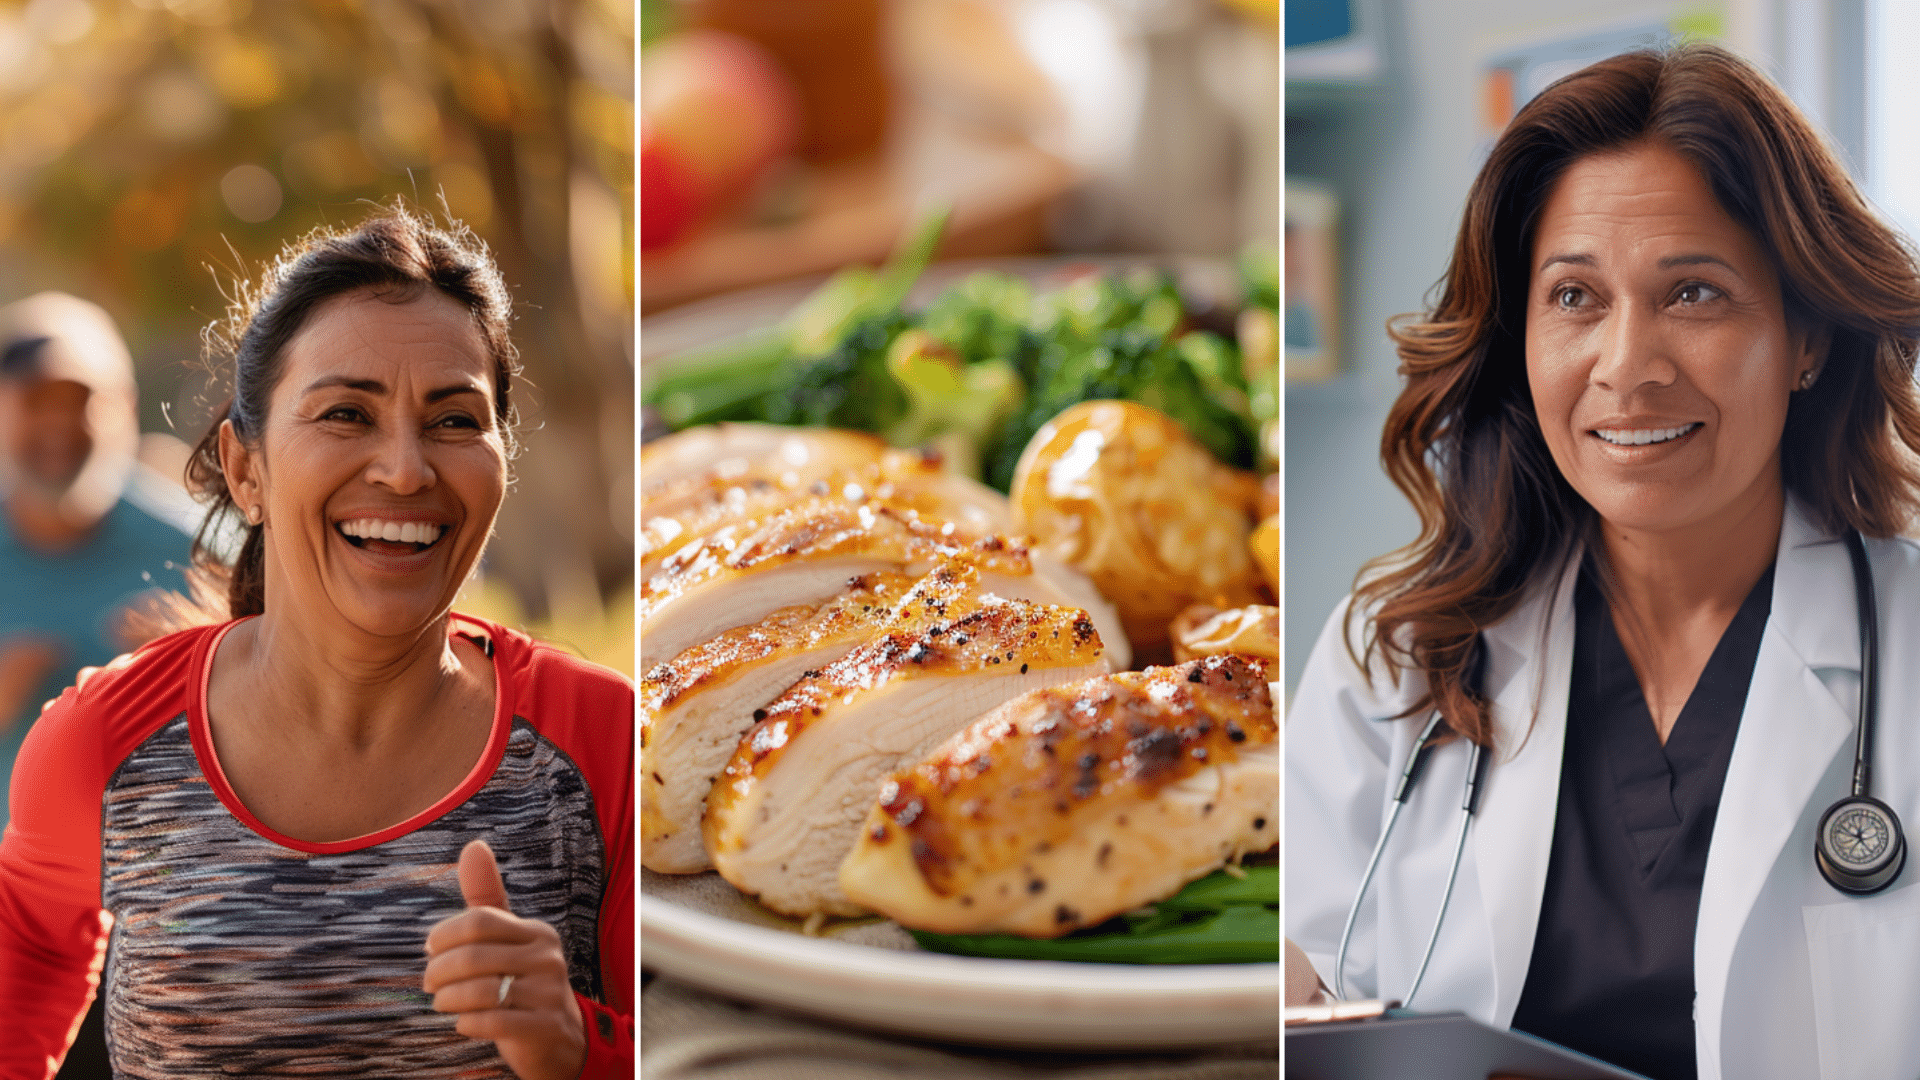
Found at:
[607, 639]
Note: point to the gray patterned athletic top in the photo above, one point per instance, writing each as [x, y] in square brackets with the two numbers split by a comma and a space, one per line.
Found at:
[237, 951]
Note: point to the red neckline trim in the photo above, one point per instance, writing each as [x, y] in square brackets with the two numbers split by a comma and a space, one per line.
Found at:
[476, 778]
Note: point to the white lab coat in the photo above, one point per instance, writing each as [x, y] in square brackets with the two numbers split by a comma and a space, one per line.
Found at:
[1793, 979]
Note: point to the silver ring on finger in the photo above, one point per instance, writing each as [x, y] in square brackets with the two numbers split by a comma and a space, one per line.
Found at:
[506, 983]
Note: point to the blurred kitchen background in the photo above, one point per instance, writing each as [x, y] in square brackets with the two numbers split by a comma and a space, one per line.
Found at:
[153, 151]
[787, 139]
[1392, 105]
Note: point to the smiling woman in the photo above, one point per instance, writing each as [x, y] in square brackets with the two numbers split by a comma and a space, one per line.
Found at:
[1662, 431]
[1661, 363]
[382, 427]
[344, 831]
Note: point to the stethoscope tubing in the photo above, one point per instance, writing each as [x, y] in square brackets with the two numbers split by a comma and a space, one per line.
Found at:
[1408, 775]
[1869, 661]
[1477, 759]
[1440, 916]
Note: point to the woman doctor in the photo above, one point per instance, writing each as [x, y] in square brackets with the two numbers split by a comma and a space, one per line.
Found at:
[1670, 374]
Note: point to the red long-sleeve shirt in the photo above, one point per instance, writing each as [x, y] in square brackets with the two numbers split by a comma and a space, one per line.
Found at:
[236, 950]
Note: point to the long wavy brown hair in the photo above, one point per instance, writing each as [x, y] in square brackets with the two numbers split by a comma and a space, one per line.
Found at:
[1462, 442]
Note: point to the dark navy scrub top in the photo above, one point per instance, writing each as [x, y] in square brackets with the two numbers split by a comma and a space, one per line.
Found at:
[1612, 968]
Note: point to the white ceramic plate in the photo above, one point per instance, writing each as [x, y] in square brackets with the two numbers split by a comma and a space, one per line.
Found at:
[870, 974]
[699, 930]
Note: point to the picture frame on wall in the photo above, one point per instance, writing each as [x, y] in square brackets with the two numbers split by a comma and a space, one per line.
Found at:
[1311, 310]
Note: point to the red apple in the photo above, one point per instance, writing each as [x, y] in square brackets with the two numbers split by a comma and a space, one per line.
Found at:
[669, 194]
[716, 110]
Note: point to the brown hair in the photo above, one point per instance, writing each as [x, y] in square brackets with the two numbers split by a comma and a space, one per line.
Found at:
[1462, 441]
[395, 254]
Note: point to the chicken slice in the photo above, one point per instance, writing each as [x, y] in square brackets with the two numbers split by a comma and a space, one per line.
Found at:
[736, 448]
[788, 806]
[1070, 805]
[805, 553]
[907, 480]
[694, 708]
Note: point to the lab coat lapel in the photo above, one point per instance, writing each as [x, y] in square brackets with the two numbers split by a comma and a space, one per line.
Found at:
[1790, 730]
[1530, 662]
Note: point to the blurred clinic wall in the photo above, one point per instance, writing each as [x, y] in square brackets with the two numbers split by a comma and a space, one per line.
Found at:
[1137, 126]
[1391, 106]
[154, 151]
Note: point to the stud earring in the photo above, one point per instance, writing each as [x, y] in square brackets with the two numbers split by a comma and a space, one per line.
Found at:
[253, 515]
[1807, 377]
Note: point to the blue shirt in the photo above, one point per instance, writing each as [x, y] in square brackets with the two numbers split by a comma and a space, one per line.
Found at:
[75, 598]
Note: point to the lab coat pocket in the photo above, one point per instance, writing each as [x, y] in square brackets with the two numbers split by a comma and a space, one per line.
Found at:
[1865, 965]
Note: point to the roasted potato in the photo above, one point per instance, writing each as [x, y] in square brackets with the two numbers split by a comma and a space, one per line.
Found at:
[1207, 631]
[1125, 494]
[1265, 546]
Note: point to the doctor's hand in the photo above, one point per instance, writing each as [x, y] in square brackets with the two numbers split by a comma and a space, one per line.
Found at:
[506, 976]
[1303, 983]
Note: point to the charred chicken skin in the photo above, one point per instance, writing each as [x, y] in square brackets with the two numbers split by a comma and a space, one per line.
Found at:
[803, 554]
[1075, 803]
[695, 707]
[908, 480]
[787, 807]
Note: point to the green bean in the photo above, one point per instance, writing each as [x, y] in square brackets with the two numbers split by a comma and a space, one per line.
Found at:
[1240, 934]
[747, 352]
[1220, 889]
[1219, 919]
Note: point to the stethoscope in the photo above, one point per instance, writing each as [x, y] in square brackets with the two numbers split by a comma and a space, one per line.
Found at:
[1859, 846]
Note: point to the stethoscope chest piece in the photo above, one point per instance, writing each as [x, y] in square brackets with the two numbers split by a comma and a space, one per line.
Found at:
[1859, 846]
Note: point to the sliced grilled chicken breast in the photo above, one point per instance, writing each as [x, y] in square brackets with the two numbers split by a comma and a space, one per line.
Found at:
[695, 707]
[736, 448]
[907, 480]
[799, 555]
[805, 553]
[785, 811]
[1073, 804]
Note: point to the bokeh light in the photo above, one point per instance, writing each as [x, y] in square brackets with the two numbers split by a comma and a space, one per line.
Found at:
[155, 152]
[251, 192]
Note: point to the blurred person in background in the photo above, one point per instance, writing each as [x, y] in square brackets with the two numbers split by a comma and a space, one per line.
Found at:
[74, 551]
[158, 140]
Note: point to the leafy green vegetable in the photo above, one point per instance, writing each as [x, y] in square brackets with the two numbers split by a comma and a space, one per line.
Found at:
[721, 383]
[834, 372]
[847, 387]
[984, 318]
[856, 295]
[960, 404]
[1213, 358]
[984, 366]
[1220, 889]
[1129, 363]
[909, 261]
[1218, 919]
[824, 317]
[1260, 277]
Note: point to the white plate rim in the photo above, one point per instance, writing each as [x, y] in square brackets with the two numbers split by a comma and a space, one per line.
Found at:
[1033, 1003]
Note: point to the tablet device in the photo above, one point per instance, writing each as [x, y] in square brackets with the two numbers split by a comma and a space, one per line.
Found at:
[1432, 1046]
